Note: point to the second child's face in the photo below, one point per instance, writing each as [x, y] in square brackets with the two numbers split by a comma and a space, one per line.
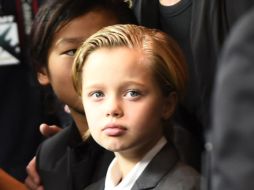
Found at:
[124, 105]
[61, 54]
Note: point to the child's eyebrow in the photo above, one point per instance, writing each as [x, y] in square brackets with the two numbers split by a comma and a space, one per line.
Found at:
[69, 41]
[132, 82]
[127, 83]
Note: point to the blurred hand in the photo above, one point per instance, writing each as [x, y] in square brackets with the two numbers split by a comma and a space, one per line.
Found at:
[33, 181]
[67, 109]
[49, 130]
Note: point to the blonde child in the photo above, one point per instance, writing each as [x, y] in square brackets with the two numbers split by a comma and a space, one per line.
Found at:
[130, 79]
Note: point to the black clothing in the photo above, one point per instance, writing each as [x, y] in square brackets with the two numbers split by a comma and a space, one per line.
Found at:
[65, 162]
[175, 21]
[211, 23]
[232, 131]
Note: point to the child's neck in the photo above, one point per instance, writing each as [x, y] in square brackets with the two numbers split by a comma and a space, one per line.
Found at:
[125, 164]
[80, 120]
[126, 160]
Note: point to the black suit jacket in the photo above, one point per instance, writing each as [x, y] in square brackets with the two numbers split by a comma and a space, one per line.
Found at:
[65, 162]
[164, 172]
[232, 134]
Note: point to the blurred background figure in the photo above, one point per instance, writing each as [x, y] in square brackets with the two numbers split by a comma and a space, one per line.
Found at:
[232, 133]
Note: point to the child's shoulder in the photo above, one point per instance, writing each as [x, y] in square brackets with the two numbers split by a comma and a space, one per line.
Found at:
[184, 170]
[181, 177]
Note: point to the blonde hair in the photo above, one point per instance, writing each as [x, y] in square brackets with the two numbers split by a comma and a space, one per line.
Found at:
[160, 51]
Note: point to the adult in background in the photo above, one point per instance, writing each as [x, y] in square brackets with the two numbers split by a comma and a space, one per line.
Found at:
[232, 133]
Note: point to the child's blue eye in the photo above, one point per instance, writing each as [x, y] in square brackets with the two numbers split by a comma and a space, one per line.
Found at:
[70, 52]
[97, 94]
[132, 94]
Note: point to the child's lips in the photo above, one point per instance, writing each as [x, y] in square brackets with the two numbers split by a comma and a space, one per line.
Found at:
[114, 130]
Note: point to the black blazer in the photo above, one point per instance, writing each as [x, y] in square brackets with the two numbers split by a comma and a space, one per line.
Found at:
[65, 162]
[164, 172]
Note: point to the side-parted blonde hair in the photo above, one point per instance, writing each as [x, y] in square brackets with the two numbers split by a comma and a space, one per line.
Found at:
[160, 51]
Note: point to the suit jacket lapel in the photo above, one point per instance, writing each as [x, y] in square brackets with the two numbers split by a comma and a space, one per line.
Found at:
[157, 168]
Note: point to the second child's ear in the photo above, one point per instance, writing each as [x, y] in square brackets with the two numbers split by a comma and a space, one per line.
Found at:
[169, 106]
[43, 76]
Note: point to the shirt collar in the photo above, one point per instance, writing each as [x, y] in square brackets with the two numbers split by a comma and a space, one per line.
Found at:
[136, 171]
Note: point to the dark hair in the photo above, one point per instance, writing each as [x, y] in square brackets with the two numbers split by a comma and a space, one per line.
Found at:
[54, 14]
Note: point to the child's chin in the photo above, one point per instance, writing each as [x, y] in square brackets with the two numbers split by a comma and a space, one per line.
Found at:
[114, 148]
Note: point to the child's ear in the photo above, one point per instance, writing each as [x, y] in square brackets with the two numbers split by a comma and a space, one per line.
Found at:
[43, 76]
[169, 106]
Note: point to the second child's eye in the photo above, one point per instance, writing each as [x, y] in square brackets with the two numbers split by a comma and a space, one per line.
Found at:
[70, 52]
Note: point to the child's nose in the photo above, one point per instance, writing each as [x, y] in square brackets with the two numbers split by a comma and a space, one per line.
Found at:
[114, 108]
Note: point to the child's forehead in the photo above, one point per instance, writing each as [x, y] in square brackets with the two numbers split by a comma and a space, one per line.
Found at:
[116, 64]
[123, 50]
[119, 59]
